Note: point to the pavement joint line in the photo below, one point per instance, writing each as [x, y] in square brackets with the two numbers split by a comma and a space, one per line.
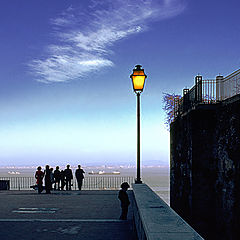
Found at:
[64, 220]
[42, 209]
[35, 210]
[25, 211]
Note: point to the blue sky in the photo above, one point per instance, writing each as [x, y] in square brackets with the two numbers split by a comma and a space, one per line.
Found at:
[65, 91]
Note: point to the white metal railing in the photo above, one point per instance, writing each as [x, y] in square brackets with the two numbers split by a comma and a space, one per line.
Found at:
[230, 85]
[89, 183]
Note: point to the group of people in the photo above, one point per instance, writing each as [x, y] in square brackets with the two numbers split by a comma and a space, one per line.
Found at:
[63, 178]
[58, 178]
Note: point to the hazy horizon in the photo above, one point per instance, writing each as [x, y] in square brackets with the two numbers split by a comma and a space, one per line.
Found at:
[92, 164]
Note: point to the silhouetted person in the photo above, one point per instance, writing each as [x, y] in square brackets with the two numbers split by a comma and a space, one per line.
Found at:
[51, 177]
[79, 176]
[69, 177]
[57, 178]
[39, 176]
[123, 196]
[62, 179]
[48, 183]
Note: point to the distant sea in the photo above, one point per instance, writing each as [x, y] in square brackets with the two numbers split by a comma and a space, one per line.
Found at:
[156, 177]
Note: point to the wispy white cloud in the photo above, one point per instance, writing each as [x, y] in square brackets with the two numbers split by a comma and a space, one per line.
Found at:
[85, 38]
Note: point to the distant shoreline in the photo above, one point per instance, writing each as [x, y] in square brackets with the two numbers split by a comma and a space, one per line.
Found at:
[90, 166]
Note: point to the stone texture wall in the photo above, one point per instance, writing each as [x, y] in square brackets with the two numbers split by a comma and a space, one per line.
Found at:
[205, 169]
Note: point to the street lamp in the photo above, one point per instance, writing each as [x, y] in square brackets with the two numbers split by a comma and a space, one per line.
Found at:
[138, 80]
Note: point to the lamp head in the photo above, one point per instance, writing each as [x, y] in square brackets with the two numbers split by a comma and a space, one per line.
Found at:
[138, 79]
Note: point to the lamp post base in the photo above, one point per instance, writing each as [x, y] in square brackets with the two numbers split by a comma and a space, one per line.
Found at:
[138, 181]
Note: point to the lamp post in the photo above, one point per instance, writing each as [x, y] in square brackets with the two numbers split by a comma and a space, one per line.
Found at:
[138, 80]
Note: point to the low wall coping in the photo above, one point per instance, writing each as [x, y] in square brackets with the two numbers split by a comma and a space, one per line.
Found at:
[158, 220]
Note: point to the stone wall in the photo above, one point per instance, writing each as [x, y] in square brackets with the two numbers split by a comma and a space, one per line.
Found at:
[205, 169]
[155, 220]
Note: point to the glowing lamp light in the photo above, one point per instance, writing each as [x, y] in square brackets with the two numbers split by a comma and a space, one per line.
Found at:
[138, 79]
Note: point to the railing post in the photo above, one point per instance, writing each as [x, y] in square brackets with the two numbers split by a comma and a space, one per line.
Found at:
[198, 89]
[219, 88]
[186, 99]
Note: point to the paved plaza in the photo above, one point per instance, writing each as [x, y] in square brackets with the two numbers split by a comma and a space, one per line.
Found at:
[63, 215]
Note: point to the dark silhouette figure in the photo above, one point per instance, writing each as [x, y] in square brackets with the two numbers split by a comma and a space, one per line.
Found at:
[62, 179]
[79, 176]
[48, 183]
[69, 177]
[123, 197]
[57, 178]
[39, 176]
[51, 177]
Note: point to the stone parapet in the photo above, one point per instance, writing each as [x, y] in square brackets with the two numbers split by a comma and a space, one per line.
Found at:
[155, 220]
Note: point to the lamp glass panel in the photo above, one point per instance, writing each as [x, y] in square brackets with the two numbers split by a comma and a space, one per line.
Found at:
[138, 82]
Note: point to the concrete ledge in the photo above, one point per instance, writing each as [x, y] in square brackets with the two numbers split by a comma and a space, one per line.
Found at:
[155, 220]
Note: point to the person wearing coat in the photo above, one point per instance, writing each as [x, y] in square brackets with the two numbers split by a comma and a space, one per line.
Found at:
[48, 182]
[68, 177]
[79, 176]
[39, 175]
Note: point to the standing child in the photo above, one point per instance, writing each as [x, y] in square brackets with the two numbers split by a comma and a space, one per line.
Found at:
[123, 196]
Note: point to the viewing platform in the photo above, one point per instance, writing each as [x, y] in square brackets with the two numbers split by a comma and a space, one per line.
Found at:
[89, 214]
